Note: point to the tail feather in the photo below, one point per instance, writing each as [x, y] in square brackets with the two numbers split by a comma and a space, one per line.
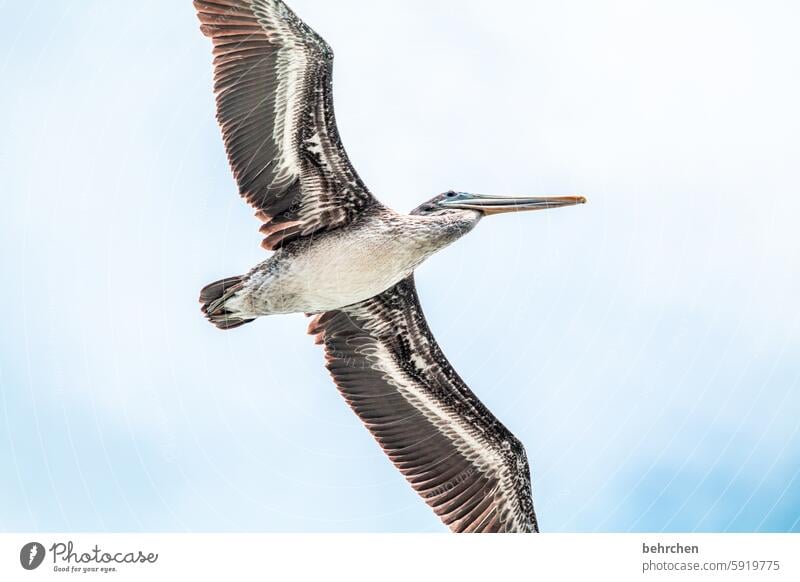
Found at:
[214, 296]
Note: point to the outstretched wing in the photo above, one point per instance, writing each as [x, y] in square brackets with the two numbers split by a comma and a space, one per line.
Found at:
[272, 78]
[463, 462]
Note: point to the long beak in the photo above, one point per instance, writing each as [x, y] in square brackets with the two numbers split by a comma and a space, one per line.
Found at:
[503, 204]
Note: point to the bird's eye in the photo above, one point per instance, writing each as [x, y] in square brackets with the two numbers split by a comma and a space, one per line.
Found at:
[452, 194]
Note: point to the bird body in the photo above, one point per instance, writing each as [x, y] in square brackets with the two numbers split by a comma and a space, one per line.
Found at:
[342, 256]
[343, 267]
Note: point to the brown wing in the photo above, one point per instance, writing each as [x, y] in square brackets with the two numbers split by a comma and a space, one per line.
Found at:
[463, 462]
[272, 78]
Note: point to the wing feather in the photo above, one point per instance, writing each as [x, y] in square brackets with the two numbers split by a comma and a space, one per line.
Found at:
[463, 462]
[273, 82]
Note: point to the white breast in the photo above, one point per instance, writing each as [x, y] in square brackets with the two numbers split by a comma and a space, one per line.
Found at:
[350, 268]
[341, 268]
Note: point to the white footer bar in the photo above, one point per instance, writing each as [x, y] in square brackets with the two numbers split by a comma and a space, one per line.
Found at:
[235, 557]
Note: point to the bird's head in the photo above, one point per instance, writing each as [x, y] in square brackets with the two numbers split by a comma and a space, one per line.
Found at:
[451, 202]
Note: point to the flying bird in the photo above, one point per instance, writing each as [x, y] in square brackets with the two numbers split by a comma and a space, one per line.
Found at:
[347, 260]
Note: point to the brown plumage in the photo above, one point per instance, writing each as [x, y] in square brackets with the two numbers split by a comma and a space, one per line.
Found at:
[390, 370]
[272, 79]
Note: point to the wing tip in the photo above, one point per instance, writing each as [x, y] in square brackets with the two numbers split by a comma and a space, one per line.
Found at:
[223, 17]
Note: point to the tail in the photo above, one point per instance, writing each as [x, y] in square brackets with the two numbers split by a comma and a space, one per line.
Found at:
[214, 296]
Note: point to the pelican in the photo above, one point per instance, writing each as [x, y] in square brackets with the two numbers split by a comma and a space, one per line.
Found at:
[348, 261]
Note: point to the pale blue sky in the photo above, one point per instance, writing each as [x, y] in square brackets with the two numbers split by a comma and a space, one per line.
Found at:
[645, 347]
